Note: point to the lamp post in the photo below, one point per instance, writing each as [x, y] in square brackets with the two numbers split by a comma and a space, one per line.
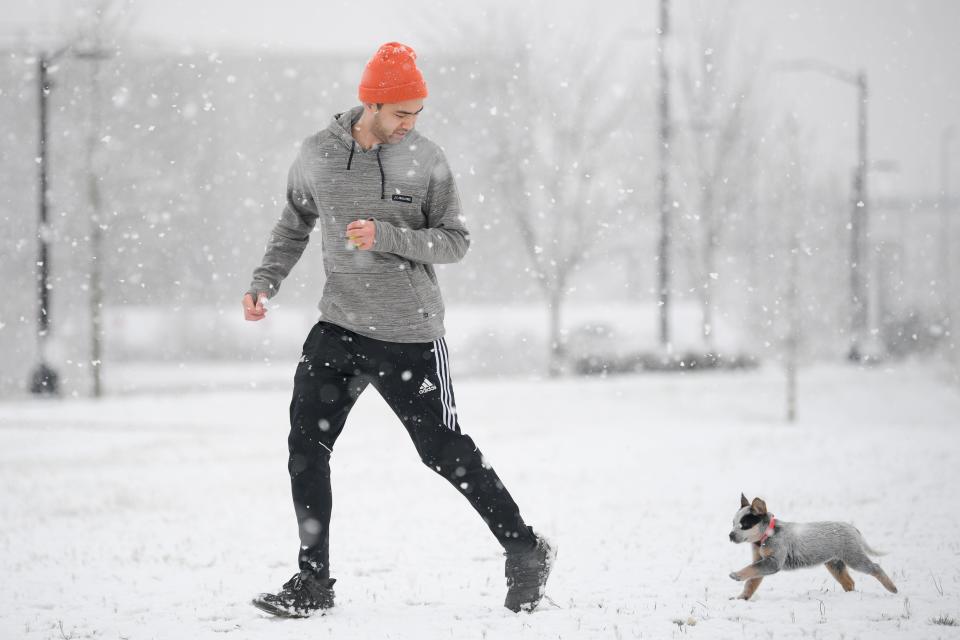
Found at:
[858, 211]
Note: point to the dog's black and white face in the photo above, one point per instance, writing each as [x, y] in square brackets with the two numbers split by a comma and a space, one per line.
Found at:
[749, 521]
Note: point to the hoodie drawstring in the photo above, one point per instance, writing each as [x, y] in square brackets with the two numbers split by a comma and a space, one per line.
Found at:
[383, 180]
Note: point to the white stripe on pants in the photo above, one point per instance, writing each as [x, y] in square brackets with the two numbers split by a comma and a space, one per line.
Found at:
[446, 386]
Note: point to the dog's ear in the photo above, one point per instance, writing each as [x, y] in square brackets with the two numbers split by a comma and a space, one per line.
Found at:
[743, 501]
[758, 506]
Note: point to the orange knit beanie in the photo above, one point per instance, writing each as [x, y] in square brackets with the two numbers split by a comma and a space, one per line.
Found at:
[392, 76]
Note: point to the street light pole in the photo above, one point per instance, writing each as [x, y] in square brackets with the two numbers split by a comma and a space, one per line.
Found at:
[858, 211]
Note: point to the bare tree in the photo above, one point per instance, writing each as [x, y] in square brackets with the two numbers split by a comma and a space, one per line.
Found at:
[566, 198]
[716, 85]
[560, 114]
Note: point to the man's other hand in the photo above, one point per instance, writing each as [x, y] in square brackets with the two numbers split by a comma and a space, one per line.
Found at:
[254, 310]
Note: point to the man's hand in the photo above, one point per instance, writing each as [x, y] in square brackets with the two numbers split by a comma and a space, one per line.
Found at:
[254, 311]
[362, 234]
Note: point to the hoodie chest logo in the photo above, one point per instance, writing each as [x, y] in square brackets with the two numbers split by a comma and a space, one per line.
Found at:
[399, 198]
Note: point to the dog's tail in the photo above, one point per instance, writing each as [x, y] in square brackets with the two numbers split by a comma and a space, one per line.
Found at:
[866, 547]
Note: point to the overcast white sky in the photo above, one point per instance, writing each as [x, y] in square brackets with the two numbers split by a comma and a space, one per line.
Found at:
[910, 50]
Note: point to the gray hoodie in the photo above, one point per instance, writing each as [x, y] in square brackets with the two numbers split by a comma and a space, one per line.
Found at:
[389, 292]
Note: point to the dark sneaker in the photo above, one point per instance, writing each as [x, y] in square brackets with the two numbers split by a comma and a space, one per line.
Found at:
[301, 596]
[527, 573]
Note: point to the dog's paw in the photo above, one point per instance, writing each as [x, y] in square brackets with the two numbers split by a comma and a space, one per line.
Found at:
[735, 576]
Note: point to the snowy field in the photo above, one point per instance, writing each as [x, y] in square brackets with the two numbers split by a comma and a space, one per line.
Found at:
[159, 516]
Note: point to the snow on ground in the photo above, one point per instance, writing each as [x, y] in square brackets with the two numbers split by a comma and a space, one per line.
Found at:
[159, 516]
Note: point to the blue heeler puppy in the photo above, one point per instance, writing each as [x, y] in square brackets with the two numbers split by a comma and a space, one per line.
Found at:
[780, 545]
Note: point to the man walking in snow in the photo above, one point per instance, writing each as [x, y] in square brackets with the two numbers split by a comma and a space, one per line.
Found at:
[388, 210]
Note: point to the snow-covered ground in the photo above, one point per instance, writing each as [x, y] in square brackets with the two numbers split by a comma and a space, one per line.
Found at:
[159, 516]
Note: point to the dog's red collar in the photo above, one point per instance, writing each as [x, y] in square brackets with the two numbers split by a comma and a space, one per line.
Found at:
[769, 531]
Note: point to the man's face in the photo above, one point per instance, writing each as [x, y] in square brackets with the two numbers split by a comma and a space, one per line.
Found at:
[394, 121]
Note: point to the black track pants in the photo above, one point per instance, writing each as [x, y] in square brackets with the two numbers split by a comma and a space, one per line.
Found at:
[336, 366]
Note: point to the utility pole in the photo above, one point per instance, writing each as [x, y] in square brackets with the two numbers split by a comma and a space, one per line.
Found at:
[663, 179]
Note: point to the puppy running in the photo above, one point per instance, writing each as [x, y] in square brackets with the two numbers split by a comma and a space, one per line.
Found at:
[780, 545]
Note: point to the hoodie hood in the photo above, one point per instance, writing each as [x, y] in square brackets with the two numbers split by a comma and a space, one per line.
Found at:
[341, 127]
